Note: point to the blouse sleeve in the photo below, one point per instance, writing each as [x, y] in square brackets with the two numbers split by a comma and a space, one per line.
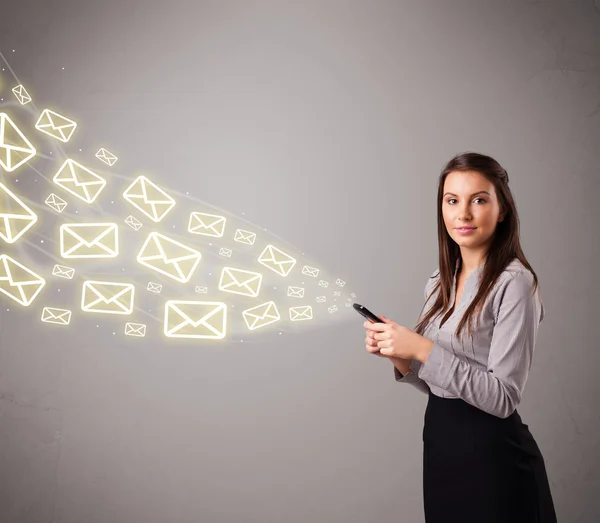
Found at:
[497, 390]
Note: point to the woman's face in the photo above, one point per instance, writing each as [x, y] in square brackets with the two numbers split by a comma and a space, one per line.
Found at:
[470, 201]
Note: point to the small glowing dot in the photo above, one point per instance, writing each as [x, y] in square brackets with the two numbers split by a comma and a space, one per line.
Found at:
[209, 273]
[280, 333]
[97, 325]
[173, 226]
[13, 50]
[122, 269]
[112, 201]
[58, 290]
[242, 341]
[6, 309]
[63, 68]
[210, 244]
[41, 241]
[50, 152]
[76, 211]
[79, 150]
[274, 287]
[17, 180]
[187, 193]
[114, 333]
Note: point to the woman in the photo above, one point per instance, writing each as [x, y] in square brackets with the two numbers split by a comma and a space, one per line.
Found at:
[481, 463]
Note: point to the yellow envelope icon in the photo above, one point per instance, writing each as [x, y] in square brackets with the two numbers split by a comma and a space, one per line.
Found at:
[261, 315]
[56, 203]
[56, 125]
[107, 297]
[149, 198]
[195, 319]
[276, 260]
[301, 313]
[21, 94]
[310, 271]
[201, 290]
[321, 299]
[107, 157]
[225, 252]
[207, 224]
[339, 282]
[79, 181]
[238, 281]
[57, 316]
[154, 287]
[135, 329]
[243, 236]
[89, 240]
[63, 272]
[295, 292]
[18, 282]
[169, 257]
[15, 217]
[133, 222]
[15, 149]
[323, 283]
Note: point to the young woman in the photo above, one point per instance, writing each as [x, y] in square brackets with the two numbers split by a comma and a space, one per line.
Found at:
[480, 464]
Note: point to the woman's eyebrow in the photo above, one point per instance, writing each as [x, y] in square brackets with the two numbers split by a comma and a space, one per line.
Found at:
[478, 192]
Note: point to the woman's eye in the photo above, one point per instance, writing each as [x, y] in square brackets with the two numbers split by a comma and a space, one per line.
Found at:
[453, 199]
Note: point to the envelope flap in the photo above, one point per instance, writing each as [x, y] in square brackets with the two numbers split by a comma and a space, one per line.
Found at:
[58, 121]
[12, 137]
[82, 175]
[207, 220]
[153, 193]
[90, 234]
[240, 277]
[108, 292]
[198, 313]
[163, 247]
[17, 274]
[11, 206]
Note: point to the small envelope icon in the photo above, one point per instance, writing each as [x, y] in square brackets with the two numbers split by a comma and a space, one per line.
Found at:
[56, 125]
[79, 181]
[243, 236]
[149, 198]
[295, 292]
[321, 299]
[15, 149]
[337, 293]
[135, 329]
[154, 287]
[301, 313]
[323, 283]
[339, 282]
[89, 240]
[15, 217]
[276, 260]
[261, 315]
[107, 297]
[333, 308]
[63, 272]
[195, 319]
[107, 157]
[18, 282]
[201, 290]
[57, 316]
[225, 252]
[310, 271]
[207, 224]
[21, 94]
[238, 281]
[56, 203]
[169, 257]
[133, 222]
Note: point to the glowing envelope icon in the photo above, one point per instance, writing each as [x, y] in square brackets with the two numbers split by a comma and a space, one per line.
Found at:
[107, 297]
[195, 319]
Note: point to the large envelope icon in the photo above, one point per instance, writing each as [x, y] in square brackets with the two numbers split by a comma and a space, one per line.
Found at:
[107, 157]
[246, 237]
[15, 149]
[261, 315]
[57, 316]
[15, 217]
[56, 125]
[63, 272]
[295, 292]
[310, 271]
[207, 224]
[301, 313]
[18, 282]
[135, 329]
[277, 260]
[195, 319]
[169, 257]
[107, 297]
[56, 203]
[21, 94]
[149, 198]
[237, 281]
[79, 181]
[89, 240]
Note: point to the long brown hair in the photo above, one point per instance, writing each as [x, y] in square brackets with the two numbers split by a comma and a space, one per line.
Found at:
[505, 245]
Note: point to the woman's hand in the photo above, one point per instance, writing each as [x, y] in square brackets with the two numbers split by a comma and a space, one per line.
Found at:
[391, 340]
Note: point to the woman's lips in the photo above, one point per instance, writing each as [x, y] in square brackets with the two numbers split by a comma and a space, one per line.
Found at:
[465, 230]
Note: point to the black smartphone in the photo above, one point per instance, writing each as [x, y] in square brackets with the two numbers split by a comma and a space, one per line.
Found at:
[366, 313]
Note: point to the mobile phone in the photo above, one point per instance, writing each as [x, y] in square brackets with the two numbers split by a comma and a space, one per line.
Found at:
[366, 313]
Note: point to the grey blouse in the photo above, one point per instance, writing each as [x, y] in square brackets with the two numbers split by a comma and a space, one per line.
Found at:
[489, 370]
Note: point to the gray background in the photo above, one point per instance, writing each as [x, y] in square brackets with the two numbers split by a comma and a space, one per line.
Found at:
[332, 121]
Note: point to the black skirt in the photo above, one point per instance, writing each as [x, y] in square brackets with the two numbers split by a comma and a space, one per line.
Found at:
[478, 468]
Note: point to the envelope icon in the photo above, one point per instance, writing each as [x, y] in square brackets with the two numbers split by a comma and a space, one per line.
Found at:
[352, 295]
[21, 94]
[337, 293]
[201, 290]
[321, 299]
[56, 125]
[18, 282]
[15, 217]
[225, 252]
[56, 316]
[133, 222]
[323, 283]
[295, 292]
[207, 224]
[107, 157]
[63, 272]
[310, 271]
[333, 308]
[56, 203]
[149, 198]
[195, 319]
[246, 237]
[154, 287]
[89, 240]
[261, 315]
[339, 282]
[238, 281]
[15, 149]
[79, 181]
[107, 297]
[169, 257]
[301, 313]
[135, 329]
[277, 260]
